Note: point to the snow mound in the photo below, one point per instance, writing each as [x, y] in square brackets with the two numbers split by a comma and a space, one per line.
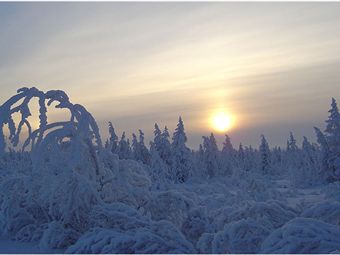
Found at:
[302, 235]
[56, 236]
[160, 237]
[204, 244]
[244, 236]
[117, 216]
[272, 214]
[170, 205]
[332, 191]
[21, 217]
[328, 211]
[195, 224]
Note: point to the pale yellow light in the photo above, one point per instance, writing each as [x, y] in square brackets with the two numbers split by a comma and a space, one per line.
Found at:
[222, 121]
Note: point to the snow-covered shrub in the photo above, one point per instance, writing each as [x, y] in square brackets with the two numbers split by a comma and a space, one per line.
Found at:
[117, 216]
[57, 236]
[170, 205]
[244, 236]
[204, 243]
[258, 189]
[13, 163]
[272, 214]
[220, 217]
[159, 237]
[71, 200]
[20, 213]
[302, 235]
[30, 232]
[332, 191]
[130, 184]
[195, 224]
[327, 211]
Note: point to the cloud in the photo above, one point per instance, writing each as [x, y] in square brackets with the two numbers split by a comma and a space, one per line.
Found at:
[138, 63]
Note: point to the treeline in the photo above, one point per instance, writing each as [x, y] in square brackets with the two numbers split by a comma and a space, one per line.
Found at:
[169, 158]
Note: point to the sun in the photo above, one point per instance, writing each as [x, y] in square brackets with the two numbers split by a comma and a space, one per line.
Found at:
[222, 121]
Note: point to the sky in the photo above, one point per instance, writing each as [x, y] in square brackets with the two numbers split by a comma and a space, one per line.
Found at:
[273, 66]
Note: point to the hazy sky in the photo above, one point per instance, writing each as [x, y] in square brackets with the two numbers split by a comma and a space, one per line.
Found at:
[273, 66]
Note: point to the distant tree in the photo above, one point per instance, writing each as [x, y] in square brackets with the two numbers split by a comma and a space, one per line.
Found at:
[139, 150]
[124, 150]
[145, 154]
[265, 155]
[326, 169]
[135, 148]
[181, 156]
[228, 156]
[291, 143]
[227, 148]
[293, 157]
[211, 155]
[240, 152]
[113, 139]
[277, 155]
[333, 137]
[162, 144]
[331, 144]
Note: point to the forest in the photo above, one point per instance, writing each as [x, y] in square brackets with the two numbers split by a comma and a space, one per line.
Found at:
[64, 189]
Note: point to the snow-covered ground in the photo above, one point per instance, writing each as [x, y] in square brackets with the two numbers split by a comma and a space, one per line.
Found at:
[7, 246]
[72, 194]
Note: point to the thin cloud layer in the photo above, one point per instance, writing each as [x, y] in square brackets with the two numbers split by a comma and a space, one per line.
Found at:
[270, 64]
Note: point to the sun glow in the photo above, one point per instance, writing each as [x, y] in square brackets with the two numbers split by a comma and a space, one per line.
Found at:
[222, 121]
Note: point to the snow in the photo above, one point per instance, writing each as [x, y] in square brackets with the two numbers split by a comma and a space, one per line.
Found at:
[302, 235]
[70, 194]
[8, 246]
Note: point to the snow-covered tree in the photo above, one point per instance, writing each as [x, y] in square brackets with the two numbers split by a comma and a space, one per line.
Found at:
[240, 152]
[113, 139]
[265, 155]
[293, 157]
[228, 156]
[291, 143]
[211, 155]
[162, 144]
[159, 169]
[310, 166]
[181, 163]
[227, 148]
[139, 150]
[333, 140]
[124, 150]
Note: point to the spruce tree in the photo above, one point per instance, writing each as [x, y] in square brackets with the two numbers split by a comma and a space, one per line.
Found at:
[113, 140]
[181, 164]
[211, 157]
[144, 152]
[265, 155]
[162, 144]
[333, 141]
[124, 150]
